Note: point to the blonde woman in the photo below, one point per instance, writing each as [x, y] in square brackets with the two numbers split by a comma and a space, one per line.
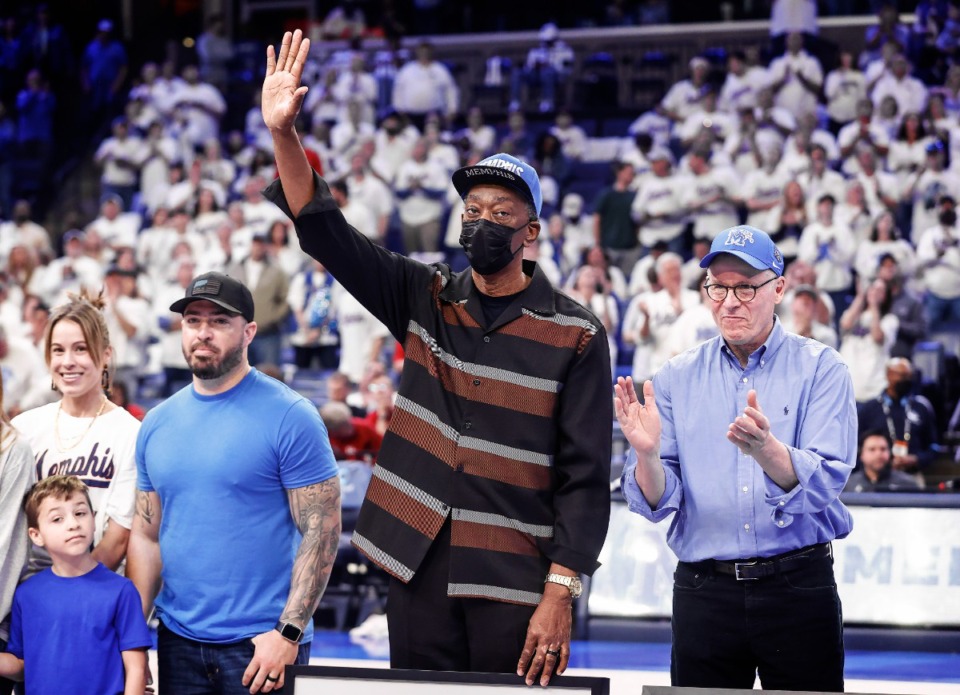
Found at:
[83, 433]
[16, 477]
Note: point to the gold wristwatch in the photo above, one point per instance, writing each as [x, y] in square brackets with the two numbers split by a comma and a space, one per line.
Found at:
[572, 583]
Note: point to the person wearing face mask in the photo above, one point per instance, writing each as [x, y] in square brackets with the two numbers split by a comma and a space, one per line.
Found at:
[491, 491]
[907, 417]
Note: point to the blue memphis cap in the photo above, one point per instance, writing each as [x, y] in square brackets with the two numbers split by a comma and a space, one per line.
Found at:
[501, 170]
[751, 245]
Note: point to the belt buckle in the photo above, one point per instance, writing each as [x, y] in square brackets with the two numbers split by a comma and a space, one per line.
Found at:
[736, 571]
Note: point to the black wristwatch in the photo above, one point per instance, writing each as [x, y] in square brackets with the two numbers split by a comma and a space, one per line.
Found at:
[289, 631]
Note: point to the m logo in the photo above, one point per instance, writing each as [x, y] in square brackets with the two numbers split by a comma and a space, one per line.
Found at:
[739, 236]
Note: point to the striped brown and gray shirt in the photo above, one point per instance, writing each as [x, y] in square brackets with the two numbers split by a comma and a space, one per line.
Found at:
[504, 428]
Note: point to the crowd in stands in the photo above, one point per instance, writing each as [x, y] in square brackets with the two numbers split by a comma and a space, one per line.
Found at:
[854, 168]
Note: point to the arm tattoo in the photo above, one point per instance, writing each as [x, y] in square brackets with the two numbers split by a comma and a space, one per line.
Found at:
[145, 508]
[316, 512]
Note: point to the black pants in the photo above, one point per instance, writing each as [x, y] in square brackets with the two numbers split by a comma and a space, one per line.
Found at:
[787, 628]
[433, 632]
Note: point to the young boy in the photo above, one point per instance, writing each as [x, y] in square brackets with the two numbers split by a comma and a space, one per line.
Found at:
[76, 627]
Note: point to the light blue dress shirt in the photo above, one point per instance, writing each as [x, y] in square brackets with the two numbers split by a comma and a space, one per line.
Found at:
[724, 506]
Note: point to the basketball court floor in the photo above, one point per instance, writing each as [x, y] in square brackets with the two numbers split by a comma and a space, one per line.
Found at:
[631, 665]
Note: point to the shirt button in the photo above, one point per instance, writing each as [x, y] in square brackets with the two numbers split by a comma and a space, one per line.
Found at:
[476, 382]
[782, 503]
[745, 488]
[780, 523]
[744, 379]
[467, 425]
[746, 527]
[486, 338]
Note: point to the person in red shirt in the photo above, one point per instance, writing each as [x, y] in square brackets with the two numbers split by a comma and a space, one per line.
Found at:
[351, 437]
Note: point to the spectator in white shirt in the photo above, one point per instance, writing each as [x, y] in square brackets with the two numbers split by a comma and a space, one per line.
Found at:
[762, 188]
[708, 195]
[683, 98]
[844, 87]
[130, 321]
[926, 187]
[706, 117]
[884, 240]
[258, 212]
[425, 86]
[859, 133]
[658, 208]
[829, 246]
[887, 116]
[368, 191]
[938, 258]
[818, 179]
[740, 87]
[796, 78]
[479, 136]
[908, 151]
[590, 289]
[879, 187]
[868, 330]
[394, 141]
[120, 157]
[115, 227]
[21, 230]
[26, 381]
[421, 186]
[201, 105]
[910, 93]
[348, 134]
[356, 85]
[357, 216]
[650, 318]
[802, 318]
[70, 272]
[160, 152]
[573, 138]
[787, 219]
[547, 68]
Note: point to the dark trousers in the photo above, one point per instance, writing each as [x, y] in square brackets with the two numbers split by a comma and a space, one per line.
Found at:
[433, 632]
[786, 628]
[187, 667]
[6, 687]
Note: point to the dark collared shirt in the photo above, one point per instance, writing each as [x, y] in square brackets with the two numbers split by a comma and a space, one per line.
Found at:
[504, 428]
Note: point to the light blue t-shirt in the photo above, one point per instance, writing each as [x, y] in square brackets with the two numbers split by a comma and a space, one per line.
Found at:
[222, 466]
[70, 631]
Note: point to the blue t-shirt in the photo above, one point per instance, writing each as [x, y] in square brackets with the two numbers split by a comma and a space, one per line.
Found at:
[70, 631]
[222, 466]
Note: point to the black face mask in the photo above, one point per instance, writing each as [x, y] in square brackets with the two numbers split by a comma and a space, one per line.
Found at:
[902, 389]
[487, 245]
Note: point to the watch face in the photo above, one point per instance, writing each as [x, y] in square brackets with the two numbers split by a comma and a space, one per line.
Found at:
[576, 587]
[291, 632]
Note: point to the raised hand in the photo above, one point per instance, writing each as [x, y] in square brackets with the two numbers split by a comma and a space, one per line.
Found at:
[282, 93]
[640, 424]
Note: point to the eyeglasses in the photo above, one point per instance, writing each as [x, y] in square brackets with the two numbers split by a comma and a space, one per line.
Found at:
[744, 293]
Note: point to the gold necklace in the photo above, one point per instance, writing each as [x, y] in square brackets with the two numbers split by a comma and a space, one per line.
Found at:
[56, 427]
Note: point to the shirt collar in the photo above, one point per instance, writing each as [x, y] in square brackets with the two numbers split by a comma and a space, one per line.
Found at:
[765, 352]
[537, 297]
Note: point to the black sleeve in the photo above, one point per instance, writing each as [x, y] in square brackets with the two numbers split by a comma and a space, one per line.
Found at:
[382, 281]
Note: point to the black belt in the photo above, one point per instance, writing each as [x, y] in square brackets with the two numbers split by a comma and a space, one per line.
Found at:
[758, 568]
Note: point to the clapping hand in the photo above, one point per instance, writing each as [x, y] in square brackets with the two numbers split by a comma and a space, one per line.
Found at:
[640, 423]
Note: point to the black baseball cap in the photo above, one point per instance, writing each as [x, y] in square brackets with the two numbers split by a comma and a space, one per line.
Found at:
[222, 290]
